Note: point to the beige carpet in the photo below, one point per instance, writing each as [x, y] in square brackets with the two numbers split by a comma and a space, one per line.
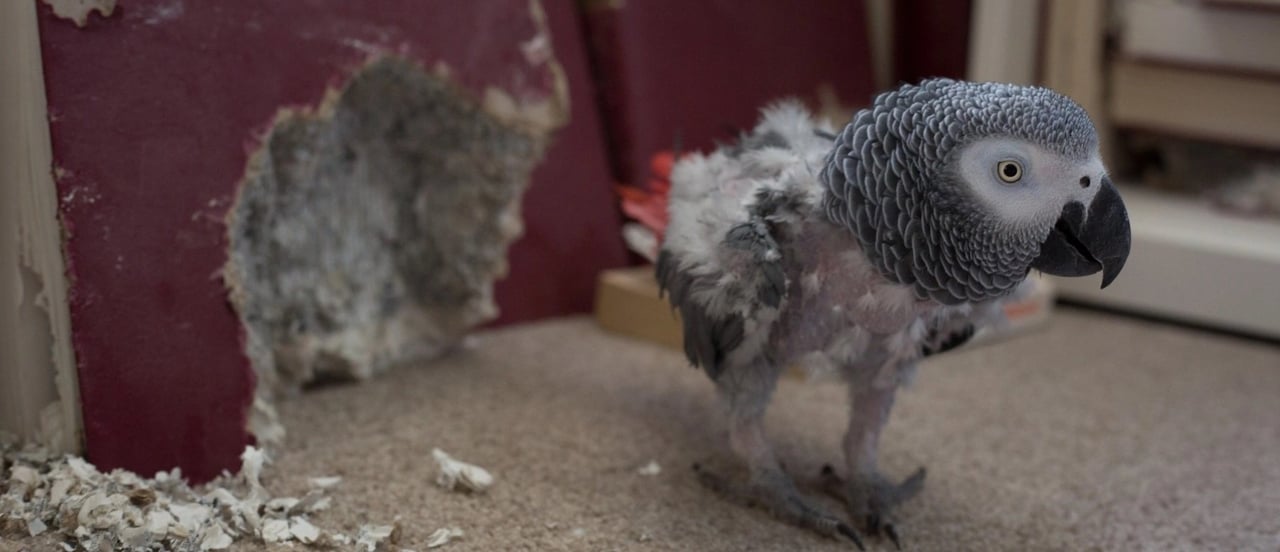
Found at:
[1097, 433]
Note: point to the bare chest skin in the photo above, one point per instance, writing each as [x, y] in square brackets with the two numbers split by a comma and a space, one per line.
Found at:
[839, 307]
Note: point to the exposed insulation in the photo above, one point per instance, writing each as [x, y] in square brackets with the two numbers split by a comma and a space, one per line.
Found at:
[370, 229]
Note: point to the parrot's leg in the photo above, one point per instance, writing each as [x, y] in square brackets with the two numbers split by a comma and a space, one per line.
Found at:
[748, 390]
[869, 495]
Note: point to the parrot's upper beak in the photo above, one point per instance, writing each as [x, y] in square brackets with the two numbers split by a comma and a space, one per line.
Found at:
[1081, 245]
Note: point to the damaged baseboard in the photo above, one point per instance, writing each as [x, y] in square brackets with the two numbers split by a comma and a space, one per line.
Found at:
[39, 400]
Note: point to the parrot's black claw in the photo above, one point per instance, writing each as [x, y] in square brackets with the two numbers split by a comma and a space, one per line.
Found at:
[775, 492]
[850, 534]
[892, 533]
[873, 500]
[873, 524]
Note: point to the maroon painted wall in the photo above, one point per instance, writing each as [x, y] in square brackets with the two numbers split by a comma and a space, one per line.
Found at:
[931, 38]
[152, 113]
[698, 70]
[572, 222]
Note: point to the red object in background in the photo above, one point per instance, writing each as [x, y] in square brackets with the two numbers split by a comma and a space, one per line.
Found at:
[648, 205]
[694, 71]
[153, 112]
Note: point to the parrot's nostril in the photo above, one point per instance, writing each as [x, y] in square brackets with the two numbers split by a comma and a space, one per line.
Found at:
[1084, 182]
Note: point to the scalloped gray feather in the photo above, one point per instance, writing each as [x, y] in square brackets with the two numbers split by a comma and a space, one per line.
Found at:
[889, 180]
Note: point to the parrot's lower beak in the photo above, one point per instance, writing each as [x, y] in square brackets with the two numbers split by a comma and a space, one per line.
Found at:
[1080, 245]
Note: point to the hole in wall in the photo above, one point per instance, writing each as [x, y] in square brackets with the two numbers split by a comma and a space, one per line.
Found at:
[369, 230]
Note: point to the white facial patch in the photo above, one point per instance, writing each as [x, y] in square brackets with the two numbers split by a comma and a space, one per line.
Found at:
[1045, 183]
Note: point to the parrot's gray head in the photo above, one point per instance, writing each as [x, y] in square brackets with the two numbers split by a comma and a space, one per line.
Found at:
[960, 189]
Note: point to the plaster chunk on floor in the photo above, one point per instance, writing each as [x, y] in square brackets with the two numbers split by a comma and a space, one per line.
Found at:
[88, 510]
[441, 537]
[458, 475]
[370, 538]
[370, 230]
[650, 469]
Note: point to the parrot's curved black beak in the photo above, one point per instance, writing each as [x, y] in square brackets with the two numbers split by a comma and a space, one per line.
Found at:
[1084, 242]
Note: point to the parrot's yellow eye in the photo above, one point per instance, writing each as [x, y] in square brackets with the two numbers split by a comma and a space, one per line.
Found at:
[1009, 171]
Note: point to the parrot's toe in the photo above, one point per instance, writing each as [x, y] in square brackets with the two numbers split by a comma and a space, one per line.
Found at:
[775, 492]
[873, 499]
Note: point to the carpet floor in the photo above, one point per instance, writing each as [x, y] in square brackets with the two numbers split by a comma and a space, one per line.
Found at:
[1098, 432]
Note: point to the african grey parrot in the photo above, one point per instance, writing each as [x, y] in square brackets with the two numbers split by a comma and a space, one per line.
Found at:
[867, 250]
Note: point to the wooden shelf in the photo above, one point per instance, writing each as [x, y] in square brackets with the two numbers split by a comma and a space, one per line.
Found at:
[1194, 103]
[1192, 263]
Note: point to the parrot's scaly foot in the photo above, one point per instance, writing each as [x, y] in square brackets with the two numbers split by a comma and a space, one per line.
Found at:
[874, 498]
[775, 492]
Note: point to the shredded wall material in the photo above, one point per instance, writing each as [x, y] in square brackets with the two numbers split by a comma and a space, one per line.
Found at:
[65, 496]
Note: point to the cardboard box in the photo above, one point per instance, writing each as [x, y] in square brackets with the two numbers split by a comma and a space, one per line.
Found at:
[627, 303]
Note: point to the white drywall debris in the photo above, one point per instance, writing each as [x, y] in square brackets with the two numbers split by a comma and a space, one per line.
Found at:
[43, 493]
[441, 537]
[36, 527]
[650, 469]
[371, 537]
[216, 538]
[458, 475]
[324, 482]
[276, 530]
[303, 530]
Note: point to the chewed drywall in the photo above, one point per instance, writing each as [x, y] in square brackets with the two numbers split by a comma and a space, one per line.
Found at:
[370, 230]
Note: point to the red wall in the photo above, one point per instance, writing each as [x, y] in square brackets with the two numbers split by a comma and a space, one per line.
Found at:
[572, 223]
[152, 113]
[931, 38]
[696, 72]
